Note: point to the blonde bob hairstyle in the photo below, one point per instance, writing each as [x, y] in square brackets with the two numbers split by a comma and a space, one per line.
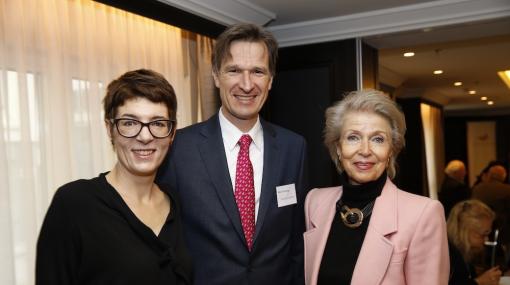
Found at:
[465, 217]
[370, 101]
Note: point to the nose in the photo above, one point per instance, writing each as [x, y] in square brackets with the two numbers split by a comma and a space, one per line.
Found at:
[246, 81]
[144, 135]
[364, 148]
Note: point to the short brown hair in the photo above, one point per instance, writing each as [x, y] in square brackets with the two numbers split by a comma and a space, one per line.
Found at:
[244, 32]
[372, 101]
[141, 83]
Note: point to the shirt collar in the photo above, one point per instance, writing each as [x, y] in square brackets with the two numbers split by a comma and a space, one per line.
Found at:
[231, 134]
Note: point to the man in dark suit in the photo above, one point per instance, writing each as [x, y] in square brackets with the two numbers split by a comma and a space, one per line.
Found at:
[453, 189]
[496, 193]
[241, 180]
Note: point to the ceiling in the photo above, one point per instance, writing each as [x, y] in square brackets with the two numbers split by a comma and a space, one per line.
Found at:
[468, 39]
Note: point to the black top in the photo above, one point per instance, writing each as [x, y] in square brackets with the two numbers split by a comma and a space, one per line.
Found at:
[461, 272]
[344, 244]
[91, 236]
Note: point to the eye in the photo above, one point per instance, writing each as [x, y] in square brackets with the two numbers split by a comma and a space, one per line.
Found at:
[259, 72]
[379, 139]
[129, 123]
[159, 124]
[233, 70]
[352, 138]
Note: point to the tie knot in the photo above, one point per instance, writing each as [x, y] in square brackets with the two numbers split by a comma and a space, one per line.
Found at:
[245, 141]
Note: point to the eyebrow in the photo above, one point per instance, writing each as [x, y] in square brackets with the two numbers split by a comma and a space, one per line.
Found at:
[263, 68]
[370, 134]
[132, 116]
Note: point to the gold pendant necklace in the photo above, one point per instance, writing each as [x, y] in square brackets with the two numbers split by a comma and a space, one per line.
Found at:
[353, 217]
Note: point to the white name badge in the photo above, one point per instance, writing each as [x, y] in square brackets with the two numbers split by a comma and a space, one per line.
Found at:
[286, 195]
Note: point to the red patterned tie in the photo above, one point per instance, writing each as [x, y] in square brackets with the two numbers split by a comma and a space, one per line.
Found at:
[245, 191]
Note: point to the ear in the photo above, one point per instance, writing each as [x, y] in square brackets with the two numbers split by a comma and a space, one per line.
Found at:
[216, 79]
[270, 83]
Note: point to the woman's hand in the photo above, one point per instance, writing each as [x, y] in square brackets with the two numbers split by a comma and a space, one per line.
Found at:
[489, 277]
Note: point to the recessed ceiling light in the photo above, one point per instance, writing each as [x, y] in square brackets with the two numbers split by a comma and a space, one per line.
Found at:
[483, 98]
[409, 54]
[439, 71]
[458, 83]
[490, 103]
[472, 92]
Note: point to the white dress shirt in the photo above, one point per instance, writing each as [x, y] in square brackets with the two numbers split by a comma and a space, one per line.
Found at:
[231, 135]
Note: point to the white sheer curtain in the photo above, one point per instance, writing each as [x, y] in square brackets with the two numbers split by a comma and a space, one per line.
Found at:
[56, 58]
[434, 146]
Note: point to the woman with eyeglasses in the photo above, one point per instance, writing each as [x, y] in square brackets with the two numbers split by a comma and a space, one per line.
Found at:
[469, 224]
[121, 227]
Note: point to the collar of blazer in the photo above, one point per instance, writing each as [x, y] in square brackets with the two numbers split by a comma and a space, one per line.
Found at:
[384, 215]
[376, 250]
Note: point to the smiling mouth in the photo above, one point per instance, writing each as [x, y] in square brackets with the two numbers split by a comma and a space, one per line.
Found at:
[144, 153]
[245, 97]
[364, 165]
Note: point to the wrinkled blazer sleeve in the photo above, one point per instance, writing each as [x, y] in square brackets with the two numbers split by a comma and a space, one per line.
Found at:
[427, 259]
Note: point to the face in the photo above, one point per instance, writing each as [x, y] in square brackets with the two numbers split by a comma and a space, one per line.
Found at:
[478, 236]
[244, 81]
[140, 155]
[364, 147]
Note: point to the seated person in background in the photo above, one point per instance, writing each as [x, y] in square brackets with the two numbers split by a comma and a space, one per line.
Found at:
[496, 194]
[469, 224]
[121, 227]
[453, 189]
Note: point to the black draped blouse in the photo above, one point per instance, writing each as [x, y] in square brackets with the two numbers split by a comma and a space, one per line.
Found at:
[91, 236]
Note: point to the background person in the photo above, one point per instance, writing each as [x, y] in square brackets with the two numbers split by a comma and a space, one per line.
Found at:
[368, 231]
[496, 194]
[483, 176]
[453, 188]
[120, 227]
[241, 179]
[469, 225]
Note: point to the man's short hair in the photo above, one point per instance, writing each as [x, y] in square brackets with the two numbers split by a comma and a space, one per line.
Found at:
[244, 32]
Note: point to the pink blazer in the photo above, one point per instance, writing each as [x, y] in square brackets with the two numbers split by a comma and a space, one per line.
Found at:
[405, 242]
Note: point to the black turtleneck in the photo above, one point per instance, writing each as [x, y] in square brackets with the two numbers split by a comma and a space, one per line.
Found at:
[344, 244]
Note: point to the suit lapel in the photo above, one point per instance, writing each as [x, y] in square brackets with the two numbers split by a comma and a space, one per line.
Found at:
[315, 240]
[270, 174]
[212, 151]
[377, 249]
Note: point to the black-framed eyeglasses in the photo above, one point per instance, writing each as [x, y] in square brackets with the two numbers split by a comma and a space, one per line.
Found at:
[130, 128]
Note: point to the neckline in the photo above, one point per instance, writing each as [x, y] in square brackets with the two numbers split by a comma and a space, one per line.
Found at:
[359, 195]
[130, 216]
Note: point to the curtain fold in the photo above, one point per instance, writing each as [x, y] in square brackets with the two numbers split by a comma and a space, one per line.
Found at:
[432, 119]
[56, 58]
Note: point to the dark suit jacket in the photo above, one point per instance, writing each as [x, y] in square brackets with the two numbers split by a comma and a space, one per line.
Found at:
[197, 169]
[452, 192]
[497, 196]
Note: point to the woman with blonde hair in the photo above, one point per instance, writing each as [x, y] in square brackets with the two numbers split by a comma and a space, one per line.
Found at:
[368, 231]
[469, 224]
